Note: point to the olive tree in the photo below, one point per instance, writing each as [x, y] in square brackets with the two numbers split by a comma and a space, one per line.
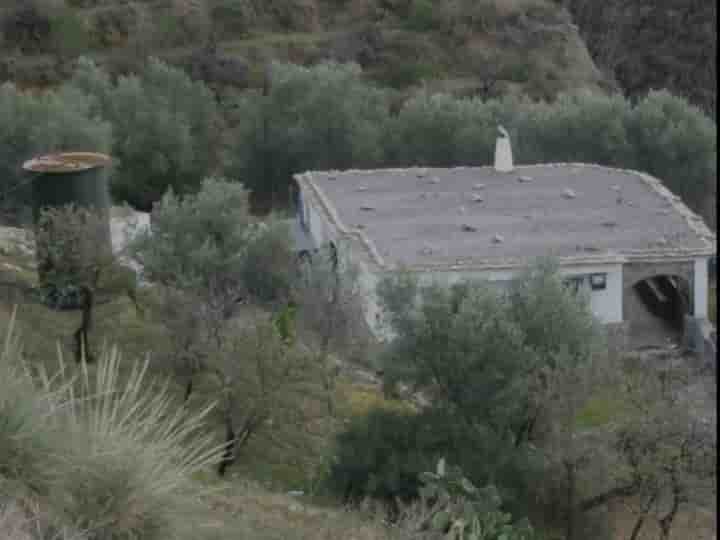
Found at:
[77, 266]
[322, 117]
[485, 359]
[668, 444]
[326, 295]
[165, 125]
[201, 252]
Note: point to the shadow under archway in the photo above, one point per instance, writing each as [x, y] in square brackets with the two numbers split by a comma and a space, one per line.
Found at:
[655, 308]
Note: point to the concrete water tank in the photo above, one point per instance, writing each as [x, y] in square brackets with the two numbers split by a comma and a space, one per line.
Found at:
[79, 178]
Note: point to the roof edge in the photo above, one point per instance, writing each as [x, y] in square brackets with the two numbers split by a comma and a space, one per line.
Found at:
[693, 221]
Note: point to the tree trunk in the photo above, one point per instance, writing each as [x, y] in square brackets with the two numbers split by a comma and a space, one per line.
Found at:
[82, 341]
[228, 457]
[667, 521]
[643, 516]
[188, 389]
[570, 524]
[606, 497]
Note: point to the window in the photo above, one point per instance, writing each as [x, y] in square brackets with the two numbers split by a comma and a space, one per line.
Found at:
[598, 282]
[574, 283]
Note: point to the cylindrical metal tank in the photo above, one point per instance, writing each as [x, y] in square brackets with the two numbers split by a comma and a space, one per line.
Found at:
[79, 178]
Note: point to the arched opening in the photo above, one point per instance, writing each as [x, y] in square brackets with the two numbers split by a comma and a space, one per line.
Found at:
[655, 308]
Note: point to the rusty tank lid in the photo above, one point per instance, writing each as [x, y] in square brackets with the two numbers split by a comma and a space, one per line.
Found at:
[66, 162]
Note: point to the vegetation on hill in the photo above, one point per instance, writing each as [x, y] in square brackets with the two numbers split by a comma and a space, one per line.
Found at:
[654, 44]
[248, 367]
[486, 47]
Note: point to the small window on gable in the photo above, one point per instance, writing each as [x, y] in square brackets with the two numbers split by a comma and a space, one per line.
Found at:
[598, 282]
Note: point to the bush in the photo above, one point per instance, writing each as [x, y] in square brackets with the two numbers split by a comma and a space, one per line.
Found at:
[381, 455]
[269, 270]
[107, 452]
[317, 118]
[69, 35]
[676, 142]
[486, 361]
[421, 17]
[164, 125]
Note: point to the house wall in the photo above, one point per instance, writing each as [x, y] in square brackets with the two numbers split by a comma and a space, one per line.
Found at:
[700, 288]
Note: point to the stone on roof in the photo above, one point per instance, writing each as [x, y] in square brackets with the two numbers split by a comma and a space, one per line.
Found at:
[529, 217]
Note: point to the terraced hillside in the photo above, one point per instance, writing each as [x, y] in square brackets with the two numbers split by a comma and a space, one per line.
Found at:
[468, 47]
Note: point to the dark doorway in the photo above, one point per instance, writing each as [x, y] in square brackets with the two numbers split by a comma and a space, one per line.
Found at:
[655, 308]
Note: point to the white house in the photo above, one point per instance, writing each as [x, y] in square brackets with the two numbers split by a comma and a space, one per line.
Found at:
[621, 234]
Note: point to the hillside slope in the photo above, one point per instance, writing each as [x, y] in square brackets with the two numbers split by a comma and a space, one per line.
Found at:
[652, 44]
[469, 47]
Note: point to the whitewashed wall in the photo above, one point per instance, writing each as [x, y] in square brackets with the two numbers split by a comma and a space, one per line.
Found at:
[700, 288]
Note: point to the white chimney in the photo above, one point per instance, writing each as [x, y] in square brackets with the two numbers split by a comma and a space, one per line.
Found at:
[503, 152]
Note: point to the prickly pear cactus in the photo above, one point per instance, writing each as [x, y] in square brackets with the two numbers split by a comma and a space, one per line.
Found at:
[466, 512]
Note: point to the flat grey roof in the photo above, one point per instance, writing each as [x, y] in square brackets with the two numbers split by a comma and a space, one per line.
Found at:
[477, 216]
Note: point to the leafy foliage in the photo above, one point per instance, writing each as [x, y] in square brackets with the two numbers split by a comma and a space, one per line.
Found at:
[312, 118]
[164, 126]
[381, 455]
[484, 358]
[677, 143]
[209, 243]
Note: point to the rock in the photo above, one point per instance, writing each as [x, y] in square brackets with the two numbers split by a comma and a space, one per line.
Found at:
[468, 228]
[479, 186]
[478, 198]
[525, 179]
[498, 239]
[569, 193]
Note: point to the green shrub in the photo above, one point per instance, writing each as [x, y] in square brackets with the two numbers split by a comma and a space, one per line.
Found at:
[381, 455]
[316, 118]
[422, 16]
[69, 35]
[165, 128]
[269, 270]
[676, 142]
[405, 72]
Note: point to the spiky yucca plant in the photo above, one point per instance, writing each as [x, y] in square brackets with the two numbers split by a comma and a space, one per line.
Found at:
[103, 452]
[26, 522]
[131, 453]
[27, 421]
